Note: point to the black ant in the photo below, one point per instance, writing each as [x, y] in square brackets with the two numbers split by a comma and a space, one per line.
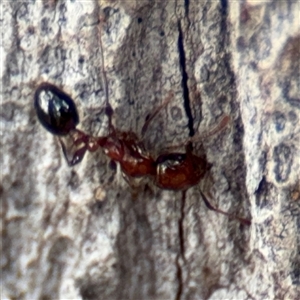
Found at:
[57, 112]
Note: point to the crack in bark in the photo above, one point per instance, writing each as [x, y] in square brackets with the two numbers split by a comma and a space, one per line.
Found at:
[179, 278]
[186, 7]
[184, 81]
[181, 247]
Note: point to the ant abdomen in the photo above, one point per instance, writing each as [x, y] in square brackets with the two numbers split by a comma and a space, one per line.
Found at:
[56, 110]
[180, 171]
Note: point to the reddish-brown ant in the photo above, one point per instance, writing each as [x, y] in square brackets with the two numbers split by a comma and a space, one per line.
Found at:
[173, 171]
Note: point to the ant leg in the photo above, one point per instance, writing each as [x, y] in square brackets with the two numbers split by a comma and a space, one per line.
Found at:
[108, 109]
[72, 157]
[198, 138]
[209, 206]
[156, 111]
[75, 145]
[207, 194]
[135, 185]
[219, 127]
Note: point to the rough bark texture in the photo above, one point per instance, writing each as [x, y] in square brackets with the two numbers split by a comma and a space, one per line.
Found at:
[239, 59]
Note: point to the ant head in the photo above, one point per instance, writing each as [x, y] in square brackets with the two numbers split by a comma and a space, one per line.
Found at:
[56, 110]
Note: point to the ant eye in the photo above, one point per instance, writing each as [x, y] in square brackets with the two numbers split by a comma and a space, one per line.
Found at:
[56, 111]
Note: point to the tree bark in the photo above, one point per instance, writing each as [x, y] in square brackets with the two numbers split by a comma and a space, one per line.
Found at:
[83, 232]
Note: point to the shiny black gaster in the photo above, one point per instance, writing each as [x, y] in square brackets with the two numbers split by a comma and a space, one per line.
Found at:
[56, 110]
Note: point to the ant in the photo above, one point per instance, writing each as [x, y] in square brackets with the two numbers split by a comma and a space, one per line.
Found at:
[57, 112]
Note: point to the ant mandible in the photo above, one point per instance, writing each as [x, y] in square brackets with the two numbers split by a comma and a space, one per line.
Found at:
[57, 112]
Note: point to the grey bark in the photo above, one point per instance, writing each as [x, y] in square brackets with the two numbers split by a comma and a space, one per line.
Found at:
[78, 233]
